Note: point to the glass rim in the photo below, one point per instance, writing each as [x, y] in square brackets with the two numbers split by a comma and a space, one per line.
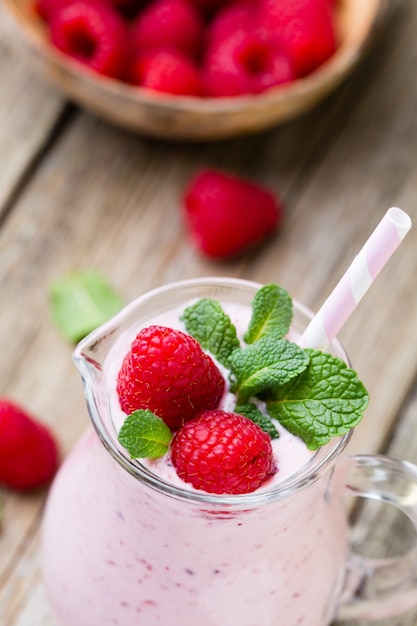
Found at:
[311, 471]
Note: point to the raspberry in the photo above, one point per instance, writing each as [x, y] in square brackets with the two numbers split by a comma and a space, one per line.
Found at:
[127, 8]
[228, 20]
[46, 8]
[167, 372]
[92, 33]
[169, 24]
[221, 452]
[226, 214]
[239, 58]
[304, 27]
[165, 70]
[28, 451]
[208, 7]
[244, 62]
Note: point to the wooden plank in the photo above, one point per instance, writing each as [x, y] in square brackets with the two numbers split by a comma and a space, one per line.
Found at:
[36, 610]
[29, 111]
[19, 584]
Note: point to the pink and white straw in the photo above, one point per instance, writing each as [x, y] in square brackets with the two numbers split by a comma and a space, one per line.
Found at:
[356, 281]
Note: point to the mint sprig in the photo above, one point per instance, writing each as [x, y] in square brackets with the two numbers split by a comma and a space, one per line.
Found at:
[265, 364]
[145, 435]
[311, 393]
[326, 401]
[211, 326]
[252, 412]
[271, 314]
[80, 301]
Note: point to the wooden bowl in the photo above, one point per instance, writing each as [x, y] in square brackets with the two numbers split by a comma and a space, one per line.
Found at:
[184, 117]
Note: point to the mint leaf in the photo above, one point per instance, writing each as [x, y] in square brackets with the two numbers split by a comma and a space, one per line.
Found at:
[252, 412]
[211, 326]
[144, 435]
[326, 401]
[80, 301]
[271, 314]
[264, 364]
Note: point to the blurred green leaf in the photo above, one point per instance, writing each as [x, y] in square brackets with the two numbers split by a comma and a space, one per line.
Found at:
[80, 301]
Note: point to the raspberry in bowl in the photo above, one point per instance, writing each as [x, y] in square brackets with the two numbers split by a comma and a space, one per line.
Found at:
[201, 70]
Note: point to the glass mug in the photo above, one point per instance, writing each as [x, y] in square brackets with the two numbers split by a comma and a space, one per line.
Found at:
[122, 547]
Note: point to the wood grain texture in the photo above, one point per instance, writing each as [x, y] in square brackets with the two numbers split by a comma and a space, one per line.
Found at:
[29, 111]
[101, 197]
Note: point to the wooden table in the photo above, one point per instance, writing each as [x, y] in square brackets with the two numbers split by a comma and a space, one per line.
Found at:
[76, 192]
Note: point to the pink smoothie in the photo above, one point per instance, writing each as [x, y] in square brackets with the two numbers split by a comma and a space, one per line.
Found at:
[117, 551]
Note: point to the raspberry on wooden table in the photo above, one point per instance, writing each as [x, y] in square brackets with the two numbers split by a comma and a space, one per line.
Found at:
[226, 214]
[222, 452]
[167, 372]
[92, 33]
[28, 451]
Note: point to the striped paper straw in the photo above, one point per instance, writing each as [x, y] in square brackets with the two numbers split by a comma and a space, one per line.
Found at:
[356, 281]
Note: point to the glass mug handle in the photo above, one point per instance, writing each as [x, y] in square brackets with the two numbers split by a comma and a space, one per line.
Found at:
[379, 588]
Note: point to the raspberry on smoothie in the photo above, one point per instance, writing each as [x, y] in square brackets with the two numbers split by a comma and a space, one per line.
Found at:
[223, 452]
[167, 372]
